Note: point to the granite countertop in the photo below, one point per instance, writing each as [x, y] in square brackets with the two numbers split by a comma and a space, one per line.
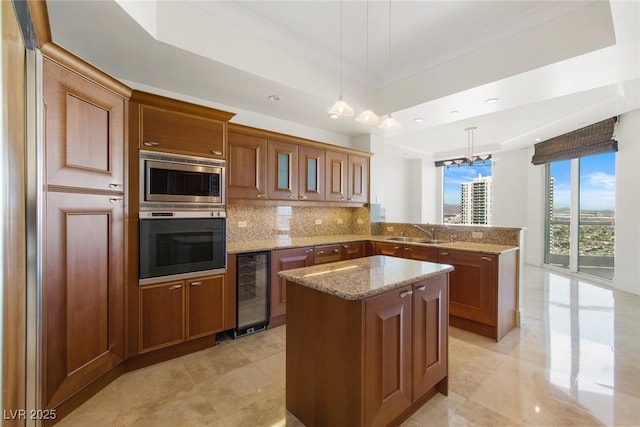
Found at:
[267, 245]
[364, 277]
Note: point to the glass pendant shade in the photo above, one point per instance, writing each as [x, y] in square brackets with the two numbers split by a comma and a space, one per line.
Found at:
[341, 109]
[368, 117]
[390, 123]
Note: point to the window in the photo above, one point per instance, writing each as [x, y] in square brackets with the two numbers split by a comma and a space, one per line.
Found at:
[580, 228]
[467, 193]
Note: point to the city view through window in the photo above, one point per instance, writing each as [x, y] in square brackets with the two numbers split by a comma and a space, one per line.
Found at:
[467, 193]
[596, 216]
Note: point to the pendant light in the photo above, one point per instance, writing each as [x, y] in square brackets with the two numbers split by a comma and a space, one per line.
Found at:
[367, 116]
[389, 123]
[470, 157]
[340, 108]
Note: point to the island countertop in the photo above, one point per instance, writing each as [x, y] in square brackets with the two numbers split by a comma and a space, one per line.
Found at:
[364, 277]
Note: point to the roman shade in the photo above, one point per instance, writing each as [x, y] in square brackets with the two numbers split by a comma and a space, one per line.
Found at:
[593, 139]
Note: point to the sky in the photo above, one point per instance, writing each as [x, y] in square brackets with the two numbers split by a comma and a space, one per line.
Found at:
[454, 176]
[597, 182]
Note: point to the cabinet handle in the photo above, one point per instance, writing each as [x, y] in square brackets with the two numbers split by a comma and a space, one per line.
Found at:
[308, 251]
[336, 250]
[150, 143]
[174, 287]
[216, 152]
[486, 258]
[114, 200]
[115, 185]
[341, 198]
[345, 246]
[395, 248]
[421, 288]
[292, 197]
[198, 283]
[407, 249]
[320, 253]
[259, 195]
[444, 253]
[303, 197]
[405, 294]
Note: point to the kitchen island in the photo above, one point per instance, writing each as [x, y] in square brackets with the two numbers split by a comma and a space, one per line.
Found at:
[366, 340]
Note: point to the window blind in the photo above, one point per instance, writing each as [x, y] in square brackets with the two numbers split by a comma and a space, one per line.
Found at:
[593, 139]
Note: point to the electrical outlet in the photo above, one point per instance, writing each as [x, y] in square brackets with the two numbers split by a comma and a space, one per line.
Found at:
[242, 224]
[360, 221]
[340, 221]
[390, 228]
[318, 222]
[476, 234]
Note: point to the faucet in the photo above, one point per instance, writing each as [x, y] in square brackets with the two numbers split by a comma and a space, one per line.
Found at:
[430, 233]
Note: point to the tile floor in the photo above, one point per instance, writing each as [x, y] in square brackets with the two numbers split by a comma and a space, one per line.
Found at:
[575, 362]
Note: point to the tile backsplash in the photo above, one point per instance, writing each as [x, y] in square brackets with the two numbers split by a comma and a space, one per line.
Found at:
[245, 223]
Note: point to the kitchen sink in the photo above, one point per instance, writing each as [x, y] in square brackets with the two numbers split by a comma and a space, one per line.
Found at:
[415, 240]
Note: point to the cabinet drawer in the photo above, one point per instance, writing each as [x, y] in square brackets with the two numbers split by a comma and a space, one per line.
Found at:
[352, 250]
[326, 253]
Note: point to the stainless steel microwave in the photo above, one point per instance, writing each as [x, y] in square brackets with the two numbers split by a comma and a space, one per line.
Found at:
[180, 182]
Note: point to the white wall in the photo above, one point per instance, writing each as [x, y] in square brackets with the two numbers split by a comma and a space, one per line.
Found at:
[627, 245]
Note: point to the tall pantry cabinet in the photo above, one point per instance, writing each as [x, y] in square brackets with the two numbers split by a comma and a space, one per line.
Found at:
[85, 127]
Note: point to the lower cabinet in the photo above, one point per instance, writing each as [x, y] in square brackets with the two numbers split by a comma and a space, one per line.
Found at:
[352, 250]
[417, 252]
[326, 254]
[285, 259]
[391, 359]
[173, 312]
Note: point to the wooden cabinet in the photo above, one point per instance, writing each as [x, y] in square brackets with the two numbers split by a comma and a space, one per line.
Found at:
[310, 173]
[83, 230]
[282, 171]
[391, 359]
[482, 291]
[173, 312]
[284, 259]
[84, 126]
[421, 253]
[247, 167]
[325, 254]
[389, 249]
[169, 125]
[347, 177]
[352, 250]
[161, 315]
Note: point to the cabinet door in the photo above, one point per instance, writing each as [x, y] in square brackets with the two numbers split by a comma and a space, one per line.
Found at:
[161, 315]
[326, 253]
[205, 306]
[352, 250]
[358, 180]
[84, 131]
[247, 167]
[173, 131]
[311, 173]
[282, 181]
[473, 285]
[335, 176]
[422, 253]
[285, 259]
[389, 249]
[430, 333]
[387, 355]
[83, 291]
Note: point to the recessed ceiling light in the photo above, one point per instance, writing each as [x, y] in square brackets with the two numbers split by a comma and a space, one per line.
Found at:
[418, 120]
[333, 116]
[274, 97]
[490, 100]
[538, 139]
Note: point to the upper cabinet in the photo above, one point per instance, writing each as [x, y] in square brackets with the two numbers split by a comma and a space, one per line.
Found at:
[266, 166]
[85, 130]
[174, 126]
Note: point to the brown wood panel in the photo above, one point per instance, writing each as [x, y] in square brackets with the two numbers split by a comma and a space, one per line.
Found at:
[430, 333]
[83, 291]
[285, 259]
[161, 315]
[473, 285]
[352, 250]
[335, 176]
[310, 184]
[230, 307]
[247, 166]
[326, 253]
[205, 306]
[508, 264]
[84, 131]
[389, 249]
[421, 253]
[287, 190]
[387, 356]
[358, 179]
[14, 272]
[167, 130]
